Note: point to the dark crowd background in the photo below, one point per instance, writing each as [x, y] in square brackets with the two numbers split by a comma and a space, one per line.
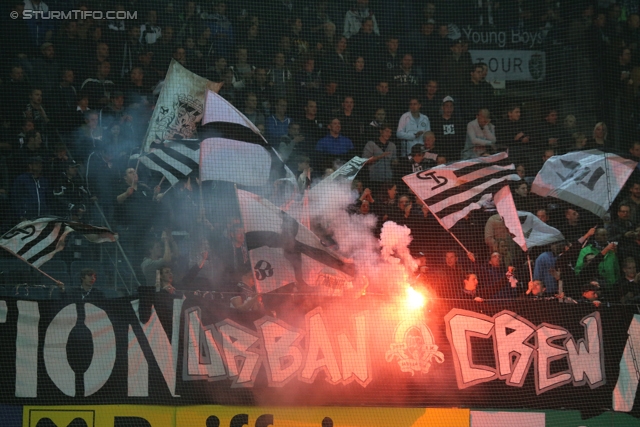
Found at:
[393, 81]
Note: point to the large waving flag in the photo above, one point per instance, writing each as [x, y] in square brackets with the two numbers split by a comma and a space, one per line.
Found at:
[37, 241]
[179, 108]
[590, 179]
[283, 251]
[234, 150]
[536, 232]
[174, 160]
[452, 191]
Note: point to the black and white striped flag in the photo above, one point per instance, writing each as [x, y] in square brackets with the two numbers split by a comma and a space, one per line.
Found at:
[37, 241]
[174, 160]
[452, 191]
[233, 149]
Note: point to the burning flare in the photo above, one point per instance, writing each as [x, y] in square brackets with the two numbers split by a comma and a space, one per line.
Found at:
[415, 299]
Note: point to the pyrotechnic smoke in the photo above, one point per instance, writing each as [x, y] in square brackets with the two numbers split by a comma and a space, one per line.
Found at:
[395, 240]
[327, 209]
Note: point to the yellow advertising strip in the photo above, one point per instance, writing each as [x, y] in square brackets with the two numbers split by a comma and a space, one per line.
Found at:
[101, 416]
[213, 415]
[332, 416]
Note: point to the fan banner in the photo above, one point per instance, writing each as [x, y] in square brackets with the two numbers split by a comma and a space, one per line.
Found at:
[198, 350]
[590, 179]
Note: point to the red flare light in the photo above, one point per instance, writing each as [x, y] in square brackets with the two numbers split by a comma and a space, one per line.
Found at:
[415, 299]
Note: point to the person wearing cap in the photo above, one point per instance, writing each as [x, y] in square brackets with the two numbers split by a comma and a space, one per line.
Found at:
[481, 136]
[413, 163]
[70, 195]
[449, 131]
[412, 126]
[30, 193]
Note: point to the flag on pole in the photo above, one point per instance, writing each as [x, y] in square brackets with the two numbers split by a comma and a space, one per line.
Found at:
[536, 232]
[506, 207]
[452, 191]
[174, 160]
[590, 179]
[37, 241]
[179, 108]
[348, 171]
[234, 150]
[283, 251]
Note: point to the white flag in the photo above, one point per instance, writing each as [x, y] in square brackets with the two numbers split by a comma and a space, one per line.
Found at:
[179, 108]
[283, 251]
[536, 232]
[39, 240]
[174, 160]
[590, 179]
[506, 207]
[452, 191]
[234, 150]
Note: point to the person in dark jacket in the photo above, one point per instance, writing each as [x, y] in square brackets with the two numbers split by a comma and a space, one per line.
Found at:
[566, 262]
[70, 194]
[86, 292]
[416, 162]
[30, 192]
[469, 290]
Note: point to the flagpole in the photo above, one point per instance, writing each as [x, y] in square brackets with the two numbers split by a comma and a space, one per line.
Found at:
[529, 264]
[201, 201]
[470, 254]
[124, 255]
[56, 281]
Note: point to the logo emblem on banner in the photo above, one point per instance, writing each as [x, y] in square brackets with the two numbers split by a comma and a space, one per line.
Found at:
[263, 269]
[536, 66]
[414, 348]
[437, 179]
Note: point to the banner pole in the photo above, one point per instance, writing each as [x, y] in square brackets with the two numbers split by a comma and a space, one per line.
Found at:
[124, 255]
[529, 264]
[56, 281]
[470, 254]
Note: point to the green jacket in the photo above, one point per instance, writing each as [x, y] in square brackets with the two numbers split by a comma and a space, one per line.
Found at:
[609, 268]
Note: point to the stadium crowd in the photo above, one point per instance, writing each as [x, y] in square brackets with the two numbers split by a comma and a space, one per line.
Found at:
[324, 81]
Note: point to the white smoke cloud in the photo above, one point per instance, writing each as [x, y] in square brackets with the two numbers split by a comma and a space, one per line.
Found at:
[395, 240]
[386, 263]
